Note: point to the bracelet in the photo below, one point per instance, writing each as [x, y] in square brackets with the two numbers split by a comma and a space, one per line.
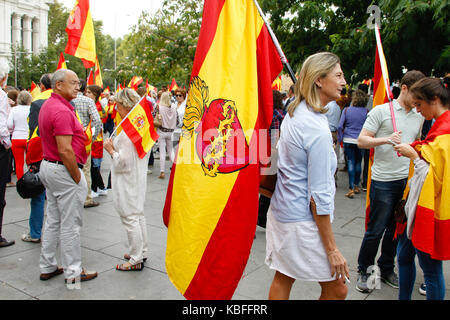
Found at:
[332, 252]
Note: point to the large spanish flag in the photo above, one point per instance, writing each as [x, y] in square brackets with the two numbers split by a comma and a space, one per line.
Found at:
[138, 126]
[431, 233]
[80, 31]
[212, 200]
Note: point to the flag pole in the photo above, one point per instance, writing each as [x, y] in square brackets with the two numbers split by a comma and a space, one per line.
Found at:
[385, 75]
[276, 43]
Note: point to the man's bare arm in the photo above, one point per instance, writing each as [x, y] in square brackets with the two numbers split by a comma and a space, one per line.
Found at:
[367, 139]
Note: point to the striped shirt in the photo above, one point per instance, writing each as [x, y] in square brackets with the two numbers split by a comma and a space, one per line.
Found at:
[88, 111]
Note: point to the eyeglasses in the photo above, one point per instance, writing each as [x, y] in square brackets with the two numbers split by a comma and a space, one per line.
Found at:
[178, 95]
[74, 82]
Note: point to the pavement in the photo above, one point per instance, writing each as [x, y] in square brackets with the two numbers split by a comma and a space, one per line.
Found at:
[104, 241]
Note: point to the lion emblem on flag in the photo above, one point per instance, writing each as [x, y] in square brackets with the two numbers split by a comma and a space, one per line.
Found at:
[220, 142]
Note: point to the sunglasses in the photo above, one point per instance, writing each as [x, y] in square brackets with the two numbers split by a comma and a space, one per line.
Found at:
[178, 95]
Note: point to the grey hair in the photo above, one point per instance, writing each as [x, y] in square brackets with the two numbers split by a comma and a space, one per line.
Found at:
[58, 76]
[4, 68]
[24, 98]
[127, 97]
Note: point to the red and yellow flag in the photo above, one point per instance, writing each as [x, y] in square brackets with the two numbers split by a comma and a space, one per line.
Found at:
[135, 82]
[431, 233]
[380, 96]
[80, 31]
[88, 141]
[87, 134]
[34, 90]
[90, 79]
[173, 85]
[212, 200]
[149, 87]
[61, 63]
[98, 80]
[138, 126]
[276, 85]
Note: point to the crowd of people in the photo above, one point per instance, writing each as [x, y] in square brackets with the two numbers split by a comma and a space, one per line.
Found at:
[62, 133]
[319, 123]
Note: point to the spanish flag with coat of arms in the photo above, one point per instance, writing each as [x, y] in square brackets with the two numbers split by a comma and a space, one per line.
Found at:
[138, 126]
[211, 204]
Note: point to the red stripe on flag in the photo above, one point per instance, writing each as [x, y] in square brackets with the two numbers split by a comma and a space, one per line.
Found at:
[431, 235]
[269, 66]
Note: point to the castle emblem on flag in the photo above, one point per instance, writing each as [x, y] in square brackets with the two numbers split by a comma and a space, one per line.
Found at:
[220, 142]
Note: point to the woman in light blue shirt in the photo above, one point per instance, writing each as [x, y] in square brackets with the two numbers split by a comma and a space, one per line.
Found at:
[300, 240]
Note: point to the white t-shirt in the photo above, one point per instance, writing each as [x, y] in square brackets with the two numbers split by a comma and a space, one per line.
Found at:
[18, 123]
[387, 165]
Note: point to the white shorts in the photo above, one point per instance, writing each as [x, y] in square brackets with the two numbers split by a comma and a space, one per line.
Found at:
[296, 250]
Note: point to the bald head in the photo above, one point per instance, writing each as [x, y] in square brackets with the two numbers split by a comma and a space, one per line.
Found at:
[66, 83]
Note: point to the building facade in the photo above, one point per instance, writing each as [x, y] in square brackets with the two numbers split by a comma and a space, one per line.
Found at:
[23, 23]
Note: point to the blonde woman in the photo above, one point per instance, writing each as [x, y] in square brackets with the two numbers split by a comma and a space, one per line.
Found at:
[300, 241]
[168, 112]
[129, 186]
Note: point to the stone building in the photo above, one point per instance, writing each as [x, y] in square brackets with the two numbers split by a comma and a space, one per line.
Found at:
[25, 24]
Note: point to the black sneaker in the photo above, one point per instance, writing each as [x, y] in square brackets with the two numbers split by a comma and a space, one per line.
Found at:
[423, 289]
[361, 283]
[390, 280]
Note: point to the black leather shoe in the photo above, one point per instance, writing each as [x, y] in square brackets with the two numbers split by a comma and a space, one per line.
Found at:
[6, 243]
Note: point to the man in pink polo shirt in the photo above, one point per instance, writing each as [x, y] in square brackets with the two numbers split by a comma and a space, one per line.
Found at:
[64, 153]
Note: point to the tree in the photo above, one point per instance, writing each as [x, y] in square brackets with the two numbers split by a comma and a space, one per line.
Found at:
[306, 27]
[32, 67]
[162, 46]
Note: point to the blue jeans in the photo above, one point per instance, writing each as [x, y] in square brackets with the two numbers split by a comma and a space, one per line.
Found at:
[383, 198]
[432, 270]
[354, 158]
[37, 215]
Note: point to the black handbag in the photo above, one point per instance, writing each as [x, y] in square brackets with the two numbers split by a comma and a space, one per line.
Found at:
[30, 185]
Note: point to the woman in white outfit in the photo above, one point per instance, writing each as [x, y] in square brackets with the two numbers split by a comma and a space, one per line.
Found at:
[129, 186]
[168, 114]
[300, 241]
[180, 97]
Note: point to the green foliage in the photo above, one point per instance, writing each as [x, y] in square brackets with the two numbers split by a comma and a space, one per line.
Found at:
[162, 45]
[415, 34]
[32, 67]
